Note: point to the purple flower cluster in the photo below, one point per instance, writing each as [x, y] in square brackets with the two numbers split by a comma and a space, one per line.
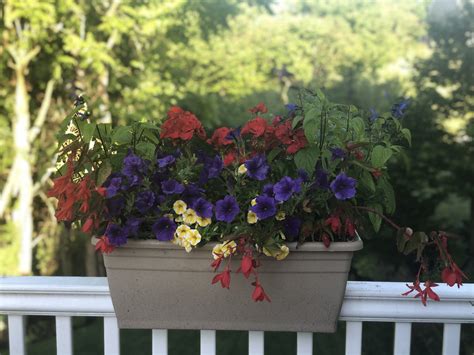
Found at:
[257, 167]
[134, 168]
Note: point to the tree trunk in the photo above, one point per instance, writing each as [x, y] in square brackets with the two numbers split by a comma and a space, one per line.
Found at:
[22, 210]
[90, 259]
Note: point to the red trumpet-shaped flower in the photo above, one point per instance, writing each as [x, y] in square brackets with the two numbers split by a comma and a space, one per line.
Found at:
[223, 277]
[217, 262]
[246, 266]
[425, 293]
[452, 274]
[259, 294]
[326, 240]
[103, 245]
[335, 223]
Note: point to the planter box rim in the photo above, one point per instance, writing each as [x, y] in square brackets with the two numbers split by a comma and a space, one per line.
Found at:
[348, 246]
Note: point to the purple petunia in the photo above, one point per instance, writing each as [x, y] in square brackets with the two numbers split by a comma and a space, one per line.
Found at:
[285, 188]
[134, 168]
[164, 229]
[191, 193]
[165, 161]
[144, 201]
[227, 209]
[265, 207]
[268, 190]
[321, 180]
[113, 185]
[337, 153]
[116, 234]
[212, 167]
[171, 187]
[257, 167]
[292, 227]
[132, 226]
[115, 206]
[343, 187]
[202, 207]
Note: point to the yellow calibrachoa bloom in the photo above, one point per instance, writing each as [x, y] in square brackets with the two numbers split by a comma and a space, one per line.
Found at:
[251, 217]
[242, 169]
[280, 216]
[283, 253]
[180, 207]
[253, 202]
[194, 237]
[190, 216]
[203, 222]
[187, 245]
[224, 249]
[183, 231]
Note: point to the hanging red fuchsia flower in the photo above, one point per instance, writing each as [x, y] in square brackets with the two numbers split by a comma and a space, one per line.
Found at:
[259, 294]
[84, 193]
[217, 262]
[423, 294]
[326, 240]
[349, 227]
[335, 223]
[64, 190]
[452, 274]
[246, 266]
[181, 125]
[220, 137]
[223, 277]
[259, 108]
[103, 245]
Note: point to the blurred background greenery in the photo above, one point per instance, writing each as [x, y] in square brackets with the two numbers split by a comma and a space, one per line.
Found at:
[217, 58]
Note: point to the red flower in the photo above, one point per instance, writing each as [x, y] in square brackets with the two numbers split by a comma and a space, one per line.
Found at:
[102, 191]
[219, 137]
[223, 277]
[216, 263]
[259, 294]
[257, 127]
[452, 275]
[423, 294]
[259, 108]
[335, 223]
[326, 240]
[181, 124]
[246, 266]
[293, 139]
[83, 194]
[230, 157]
[349, 228]
[359, 155]
[104, 246]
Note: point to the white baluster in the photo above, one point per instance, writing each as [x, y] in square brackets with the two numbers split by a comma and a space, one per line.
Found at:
[402, 339]
[256, 343]
[451, 339]
[16, 334]
[304, 343]
[353, 338]
[159, 342]
[64, 335]
[208, 342]
[111, 336]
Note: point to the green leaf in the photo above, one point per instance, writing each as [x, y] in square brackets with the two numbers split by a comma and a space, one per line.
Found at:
[407, 134]
[306, 159]
[358, 125]
[415, 242]
[105, 170]
[295, 121]
[311, 123]
[375, 218]
[146, 150]
[401, 240]
[389, 195]
[273, 154]
[88, 132]
[367, 180]
[122, 135]
[380, 155]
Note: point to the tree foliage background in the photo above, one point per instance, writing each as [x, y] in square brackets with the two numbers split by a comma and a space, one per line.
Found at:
[217, 58]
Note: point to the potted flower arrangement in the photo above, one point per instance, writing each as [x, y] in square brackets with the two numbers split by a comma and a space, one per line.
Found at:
[273, 207]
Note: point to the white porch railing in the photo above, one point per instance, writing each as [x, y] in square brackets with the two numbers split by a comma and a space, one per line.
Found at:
[66, 297]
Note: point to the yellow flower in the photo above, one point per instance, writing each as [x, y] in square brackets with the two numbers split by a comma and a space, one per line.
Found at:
[251, 217]
[190, 216]
[180, 207]
[229, 248]
[183, 231]
[187, 245]
[242, 169]
[282, 253]
[253, 202]
[203, 222]
[194, 237]
[280, 216]
[267, 252]
[217, 251]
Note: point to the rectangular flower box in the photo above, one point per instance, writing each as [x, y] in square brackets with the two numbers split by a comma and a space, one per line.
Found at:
[158, 285]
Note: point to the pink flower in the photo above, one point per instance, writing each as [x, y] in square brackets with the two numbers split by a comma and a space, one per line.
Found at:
[223, 277]
[259, 294]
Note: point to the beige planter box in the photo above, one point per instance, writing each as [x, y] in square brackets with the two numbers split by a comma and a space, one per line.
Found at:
[158, 285]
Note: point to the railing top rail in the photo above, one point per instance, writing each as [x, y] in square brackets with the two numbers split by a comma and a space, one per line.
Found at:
[364, 301]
